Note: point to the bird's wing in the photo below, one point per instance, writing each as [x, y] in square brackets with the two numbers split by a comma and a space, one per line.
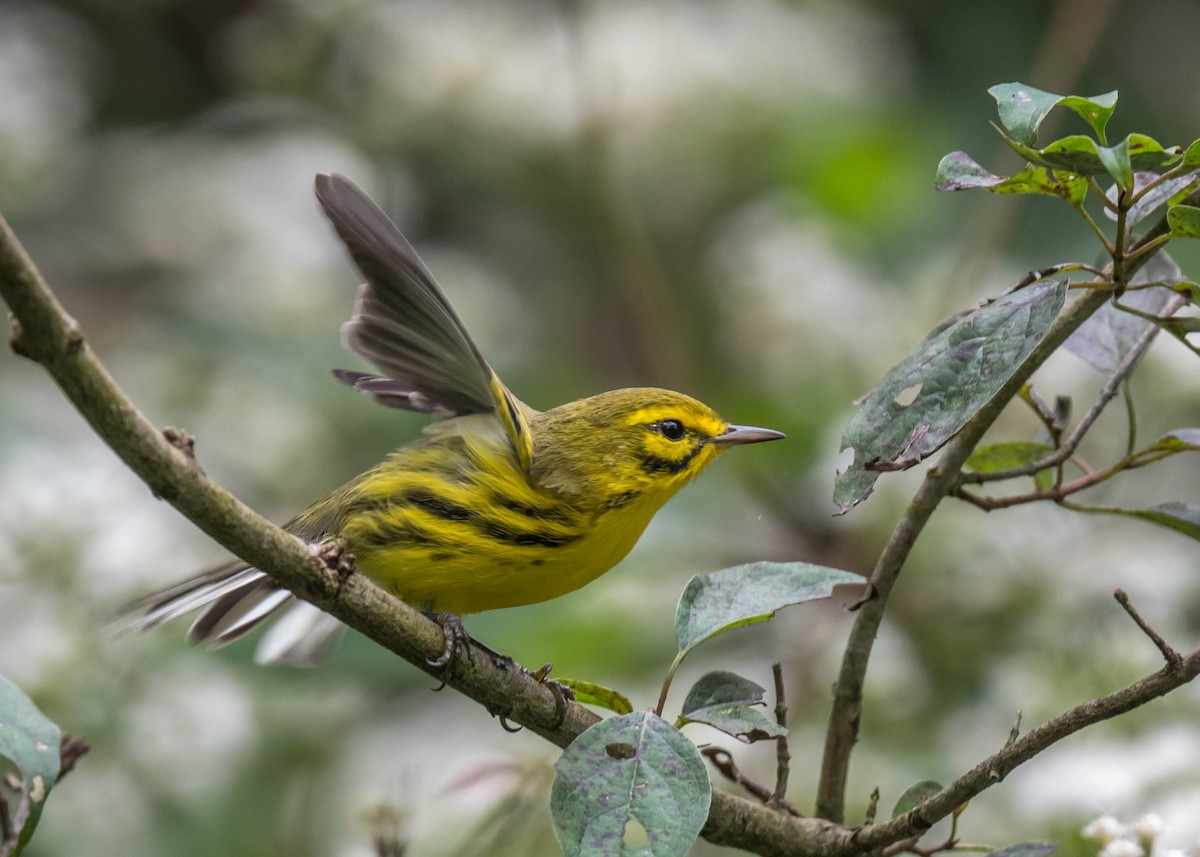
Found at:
[404, 325]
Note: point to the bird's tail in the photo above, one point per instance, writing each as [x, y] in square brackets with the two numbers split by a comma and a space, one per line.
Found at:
[236, 599]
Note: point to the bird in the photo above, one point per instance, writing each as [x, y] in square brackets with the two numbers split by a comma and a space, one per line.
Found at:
[496, 505]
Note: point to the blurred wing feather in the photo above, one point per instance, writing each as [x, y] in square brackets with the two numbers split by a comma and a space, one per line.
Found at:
[404, 325]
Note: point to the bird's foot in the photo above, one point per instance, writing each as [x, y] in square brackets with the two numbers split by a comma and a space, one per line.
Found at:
[562, 693]
[336, 560]
[457, 641]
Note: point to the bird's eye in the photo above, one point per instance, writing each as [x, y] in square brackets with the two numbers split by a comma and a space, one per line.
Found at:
[671, 429]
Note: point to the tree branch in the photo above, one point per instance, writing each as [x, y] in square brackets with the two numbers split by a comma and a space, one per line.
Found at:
[996, 767]
[941, 479]
[44, 332]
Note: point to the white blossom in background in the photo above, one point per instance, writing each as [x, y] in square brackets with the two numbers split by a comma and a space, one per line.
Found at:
[1147, 827]
[1104, 830]
[1122, 848]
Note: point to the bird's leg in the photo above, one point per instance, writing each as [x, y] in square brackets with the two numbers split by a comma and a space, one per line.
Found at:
[457, 640]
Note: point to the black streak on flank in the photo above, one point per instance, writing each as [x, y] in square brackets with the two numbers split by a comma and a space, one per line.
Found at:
[448, 511]
[530, 511]
[387, 534]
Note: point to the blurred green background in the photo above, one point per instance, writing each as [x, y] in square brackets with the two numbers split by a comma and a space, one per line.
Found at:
[729, 198]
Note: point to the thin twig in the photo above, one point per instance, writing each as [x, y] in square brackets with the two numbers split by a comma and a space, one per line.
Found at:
[995, 768]
[1170, 655]
[872, 809]
[783, 755]
[1015, 732]
[723, 761]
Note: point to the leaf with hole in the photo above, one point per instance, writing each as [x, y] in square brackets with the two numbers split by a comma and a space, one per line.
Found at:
[719, 601]
[956, 369]
[29, 762]
[630, 785]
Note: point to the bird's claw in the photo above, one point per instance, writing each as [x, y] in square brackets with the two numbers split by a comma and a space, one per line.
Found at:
[562, 694]
[457, 641]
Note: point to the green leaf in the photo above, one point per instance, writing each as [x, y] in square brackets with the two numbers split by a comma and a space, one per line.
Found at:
[1058, 183]
[1105, 338]
[1026, 849]
[1082, 155]
[957, 171]
[595, 694]
[914, 794]
[1005, 456]
[1188, 289]
[719, 687]
[32, 744]
[739, 721]
[1191, 157]
[719, 601]
[1116, 161]
[1180, 440]
[1096, 111]
[1184, 221]
[1181, 517]
[955, 370]
[627, 780]
[723, 700]
[1022, 108]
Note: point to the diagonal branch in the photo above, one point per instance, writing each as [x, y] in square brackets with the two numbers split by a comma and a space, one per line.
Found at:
[43, 332]
[940, 480]
[997, 766]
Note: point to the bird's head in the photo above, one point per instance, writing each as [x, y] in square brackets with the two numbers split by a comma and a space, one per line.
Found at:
[609, 449]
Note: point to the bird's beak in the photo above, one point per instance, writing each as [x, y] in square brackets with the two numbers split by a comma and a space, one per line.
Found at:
[737, 435]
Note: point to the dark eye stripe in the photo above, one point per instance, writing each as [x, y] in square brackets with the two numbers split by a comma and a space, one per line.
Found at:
[658, 464]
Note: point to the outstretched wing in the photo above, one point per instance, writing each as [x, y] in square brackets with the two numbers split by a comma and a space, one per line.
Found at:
[404, 325]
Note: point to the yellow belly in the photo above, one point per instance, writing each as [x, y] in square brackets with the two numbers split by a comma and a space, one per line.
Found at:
[466, 579]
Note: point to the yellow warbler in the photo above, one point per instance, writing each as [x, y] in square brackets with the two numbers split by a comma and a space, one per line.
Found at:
[498, 505]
